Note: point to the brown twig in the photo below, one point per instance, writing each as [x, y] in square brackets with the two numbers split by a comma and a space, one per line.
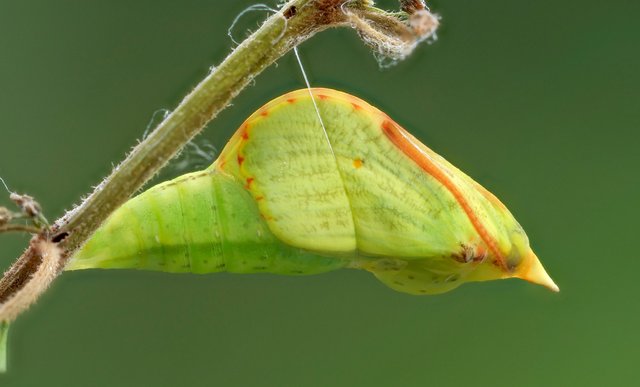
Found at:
[411, 6]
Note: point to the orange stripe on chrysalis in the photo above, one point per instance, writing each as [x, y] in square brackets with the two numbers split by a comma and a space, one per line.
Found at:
[398, 136]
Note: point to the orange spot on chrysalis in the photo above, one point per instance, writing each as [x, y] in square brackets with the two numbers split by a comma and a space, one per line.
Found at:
[240, 160]
[357, 163]
[266, 217]
[322, 96]
[249, 181]
[245, 135]
[264, 113]
[406, 144]
[356, 106]
[291, 100]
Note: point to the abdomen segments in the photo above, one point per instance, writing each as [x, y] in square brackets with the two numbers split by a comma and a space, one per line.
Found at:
[202, 222]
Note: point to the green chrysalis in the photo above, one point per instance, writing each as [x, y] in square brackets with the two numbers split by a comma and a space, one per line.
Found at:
[287, 197]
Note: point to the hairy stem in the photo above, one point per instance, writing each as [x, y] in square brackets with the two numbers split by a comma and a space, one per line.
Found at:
[296, 21]
[276, 37]
[19, 228]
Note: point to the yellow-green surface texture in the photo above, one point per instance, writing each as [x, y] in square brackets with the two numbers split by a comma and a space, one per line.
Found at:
[537, 101]
[340, 186]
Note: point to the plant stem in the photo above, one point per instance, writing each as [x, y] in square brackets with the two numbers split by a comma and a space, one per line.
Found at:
[19, 228]
[297, 21]
[274, 39]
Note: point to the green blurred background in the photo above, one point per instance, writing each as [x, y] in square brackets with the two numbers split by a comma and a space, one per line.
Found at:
[537, 100]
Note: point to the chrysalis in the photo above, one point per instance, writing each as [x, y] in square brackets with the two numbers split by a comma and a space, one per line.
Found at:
[287, 197]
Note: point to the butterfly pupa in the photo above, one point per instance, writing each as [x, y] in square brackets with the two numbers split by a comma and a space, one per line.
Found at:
[287, 197]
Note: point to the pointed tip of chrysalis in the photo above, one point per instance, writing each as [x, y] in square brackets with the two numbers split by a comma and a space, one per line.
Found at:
[535, 273]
